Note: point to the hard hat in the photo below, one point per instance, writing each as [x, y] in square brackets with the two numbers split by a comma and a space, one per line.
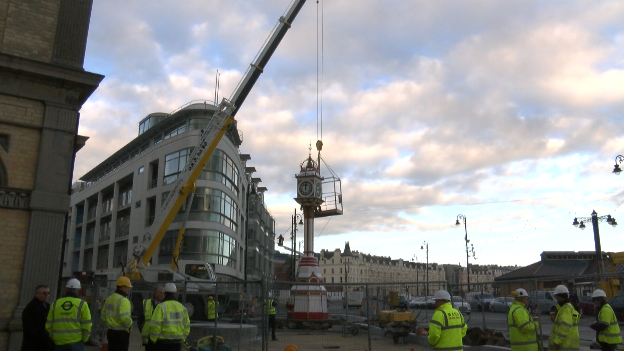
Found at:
[170, 288]
[73, 283]
[521, 293]
[210, 298]
[561, 289]
[123, 281]
[599, 293]
[442, 295]
[291, 348]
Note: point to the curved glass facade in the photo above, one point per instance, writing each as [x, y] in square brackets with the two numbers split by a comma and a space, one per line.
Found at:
[221, 168]
[211, 205]
[211, 246]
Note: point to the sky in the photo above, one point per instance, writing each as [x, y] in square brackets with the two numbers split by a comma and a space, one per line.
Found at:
[510, 113]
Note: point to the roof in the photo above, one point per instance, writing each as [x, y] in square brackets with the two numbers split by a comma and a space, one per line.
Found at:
[548, 268]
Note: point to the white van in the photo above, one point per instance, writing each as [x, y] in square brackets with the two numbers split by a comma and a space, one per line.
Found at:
[542, 302]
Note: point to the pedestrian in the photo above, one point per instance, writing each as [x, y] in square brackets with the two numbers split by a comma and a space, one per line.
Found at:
[269, 308]
[522, 328]
[69, 320]
[146, 316]
[170, 324]
[447, 327]
[606, 325]
[212, 309]
[34, 317]
[565, 334]
[116, 316]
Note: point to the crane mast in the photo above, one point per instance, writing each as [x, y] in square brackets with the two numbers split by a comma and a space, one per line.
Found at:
[210, 138]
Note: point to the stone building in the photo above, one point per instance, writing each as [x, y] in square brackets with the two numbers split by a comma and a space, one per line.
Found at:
[42, 88]
[355, 267]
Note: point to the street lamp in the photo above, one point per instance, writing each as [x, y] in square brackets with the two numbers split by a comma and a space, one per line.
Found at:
[415, 260]
[618, 161]
[422, 247]
[293, 241]
[457, 223]
[594, 220]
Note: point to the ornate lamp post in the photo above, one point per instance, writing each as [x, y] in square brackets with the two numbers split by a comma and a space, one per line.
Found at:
[594, 220]
[457, 223]
[618, 161]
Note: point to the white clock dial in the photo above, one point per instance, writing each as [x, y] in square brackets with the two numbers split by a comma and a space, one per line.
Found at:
[305, 188]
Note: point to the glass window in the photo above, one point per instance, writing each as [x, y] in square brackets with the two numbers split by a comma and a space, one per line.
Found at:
[221, 168]
[141, 169]
[201, 244]
[197, 123]
[179, 129]
[174, 165]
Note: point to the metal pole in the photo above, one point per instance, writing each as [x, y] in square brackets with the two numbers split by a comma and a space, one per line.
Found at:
[467, 266]
[482, 307]
[368, 301]
[594, 217]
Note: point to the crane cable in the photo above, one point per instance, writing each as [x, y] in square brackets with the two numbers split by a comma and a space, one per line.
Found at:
[319, 69]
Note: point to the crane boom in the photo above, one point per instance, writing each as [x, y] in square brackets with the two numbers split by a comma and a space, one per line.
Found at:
[210, 138]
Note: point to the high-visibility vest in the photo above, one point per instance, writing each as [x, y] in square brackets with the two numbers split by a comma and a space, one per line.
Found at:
[211, 309]
[170, 321]
[69, 321]
[522, 328]
[116, 313]
[565, 330]
[148, 309]
[447, 328]
[268, 306]
[612, 334]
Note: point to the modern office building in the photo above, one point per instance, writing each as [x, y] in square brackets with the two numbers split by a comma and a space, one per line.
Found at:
[115, 203]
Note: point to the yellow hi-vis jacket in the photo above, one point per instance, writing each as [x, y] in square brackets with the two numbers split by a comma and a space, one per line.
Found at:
[447, 328]
[211, 309]
[69, 321]
[565, 332]
[612, 334]
[170, 321]
[522, 328]
[148, 310]
[116, 313]
[269, 308]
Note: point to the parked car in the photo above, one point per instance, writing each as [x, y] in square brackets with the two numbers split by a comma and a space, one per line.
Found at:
[460, 304]
[617, 303]
[479, 301]
[586, 305]
[501, 304]
[430, 304]
[542, 301]
[416, 301]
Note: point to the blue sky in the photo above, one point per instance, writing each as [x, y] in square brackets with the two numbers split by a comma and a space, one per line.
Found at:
[510, 113]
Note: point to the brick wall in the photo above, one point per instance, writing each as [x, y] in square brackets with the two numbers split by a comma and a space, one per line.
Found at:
[21, 159]
[28, 28]
[13, 233]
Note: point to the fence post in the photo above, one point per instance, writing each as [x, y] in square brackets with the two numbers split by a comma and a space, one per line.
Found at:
[368, 302]
[482, 307]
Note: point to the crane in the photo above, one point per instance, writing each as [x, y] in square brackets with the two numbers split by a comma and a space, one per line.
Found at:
[210, 138]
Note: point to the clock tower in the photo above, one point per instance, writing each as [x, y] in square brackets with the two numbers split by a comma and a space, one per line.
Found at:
[307, 304]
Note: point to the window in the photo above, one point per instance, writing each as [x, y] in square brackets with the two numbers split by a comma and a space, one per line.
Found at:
[214, 206]
[125, 196]
[174, 164]
[222, 169]
[211, 246]
[141, 169]
[179, 129]
[197, 123]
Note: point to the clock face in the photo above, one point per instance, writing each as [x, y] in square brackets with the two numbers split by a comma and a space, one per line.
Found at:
[305, 188]
[319, 190]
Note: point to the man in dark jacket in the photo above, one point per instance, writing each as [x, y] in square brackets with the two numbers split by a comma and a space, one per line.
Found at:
[34, 317]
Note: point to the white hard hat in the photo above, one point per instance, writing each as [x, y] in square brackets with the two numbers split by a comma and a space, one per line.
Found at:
[561, 289]
[170, 288]
[73, 283]
[442, 295]
[521, 293]
[599, 293]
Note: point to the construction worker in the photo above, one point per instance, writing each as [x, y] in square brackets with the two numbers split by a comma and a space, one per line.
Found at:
[211, 309]
[170, 324]
[565, 334]
[606, 325]
[116, 316]
[447, 327]
[146, 316]
[522, 328]
[69, 320]
[269, 308]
